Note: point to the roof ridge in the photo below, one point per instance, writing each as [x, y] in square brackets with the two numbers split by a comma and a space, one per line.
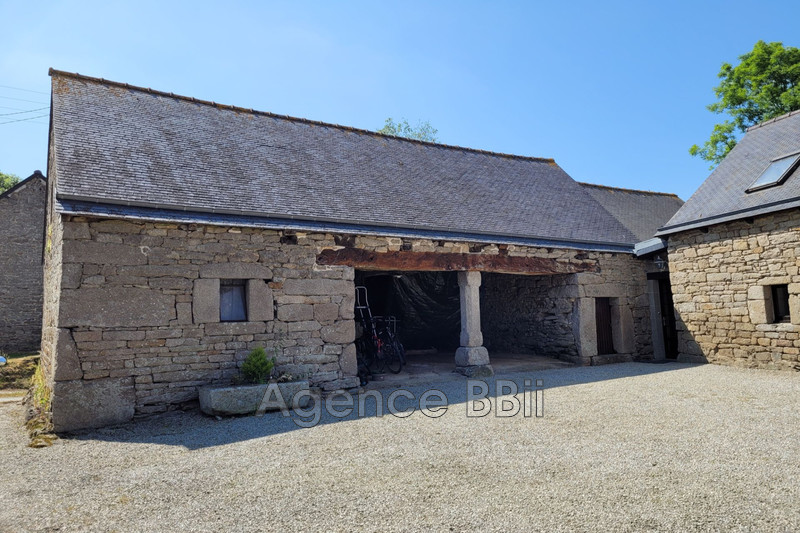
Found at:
[103, 81]
[21, 183]
[770, 121]
[628, 190]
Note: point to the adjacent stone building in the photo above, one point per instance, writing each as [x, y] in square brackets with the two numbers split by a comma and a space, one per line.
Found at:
[162, 210]
[22, 212]
[734, 253]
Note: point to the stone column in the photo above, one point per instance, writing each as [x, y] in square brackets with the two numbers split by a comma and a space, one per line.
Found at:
[584, 328]
[472, 359]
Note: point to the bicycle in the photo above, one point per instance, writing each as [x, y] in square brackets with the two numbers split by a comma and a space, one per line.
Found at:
[378, 344]
[393, 351]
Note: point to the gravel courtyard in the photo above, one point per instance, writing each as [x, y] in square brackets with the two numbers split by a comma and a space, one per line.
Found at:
[630, 447]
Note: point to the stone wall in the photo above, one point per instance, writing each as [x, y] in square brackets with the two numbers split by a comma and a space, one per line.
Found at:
[129, 312]
[554, 315]
[21, 233]
[132, 325]
[529, 314]
[51, 299]
[718, 279]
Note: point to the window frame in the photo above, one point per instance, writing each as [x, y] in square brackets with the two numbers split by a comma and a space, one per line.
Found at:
[779, 294]
[224, 286]
[781, 179]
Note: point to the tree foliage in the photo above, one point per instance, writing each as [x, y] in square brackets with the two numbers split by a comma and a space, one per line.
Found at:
[423, 131]
[764, 85]
[7, 181]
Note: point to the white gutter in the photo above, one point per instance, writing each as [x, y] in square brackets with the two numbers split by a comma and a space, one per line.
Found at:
[656, 244]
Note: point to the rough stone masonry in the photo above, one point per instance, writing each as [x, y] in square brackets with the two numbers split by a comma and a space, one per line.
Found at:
[132, 324]
[721, 281]
[136, 324]
[22, 212]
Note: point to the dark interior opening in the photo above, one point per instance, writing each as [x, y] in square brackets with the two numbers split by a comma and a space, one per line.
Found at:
[780, 303]
[605, 337]
[426, 305]
[668, 319]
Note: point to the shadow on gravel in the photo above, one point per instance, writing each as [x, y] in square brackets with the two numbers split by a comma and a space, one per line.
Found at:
[193, 430]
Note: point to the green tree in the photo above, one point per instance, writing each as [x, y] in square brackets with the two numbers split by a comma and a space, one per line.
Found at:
[764, 85]
[7, 181]
[423, 131]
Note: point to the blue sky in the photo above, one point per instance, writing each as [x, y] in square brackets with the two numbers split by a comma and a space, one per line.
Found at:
[614, 91]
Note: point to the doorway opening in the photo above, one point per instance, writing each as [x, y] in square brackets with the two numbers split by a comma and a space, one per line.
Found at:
[603, 325]
[426, 305]
[662, 311]
[668, 319]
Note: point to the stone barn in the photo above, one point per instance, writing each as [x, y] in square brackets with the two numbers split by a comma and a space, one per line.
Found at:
[161, 207]
[22, 212]
[734, 253]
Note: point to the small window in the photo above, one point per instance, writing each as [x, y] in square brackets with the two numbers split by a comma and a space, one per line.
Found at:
[780, 303]
[776, 173]
[232, 300]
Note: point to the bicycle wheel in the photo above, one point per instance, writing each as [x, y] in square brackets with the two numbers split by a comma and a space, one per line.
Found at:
[363, 359]
[401, 351]
[363, 352]
[379, 357]
[394, 359]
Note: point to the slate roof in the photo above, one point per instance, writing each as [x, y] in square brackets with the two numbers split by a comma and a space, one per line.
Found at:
[116, 144]
[722, 196]
[642, 212]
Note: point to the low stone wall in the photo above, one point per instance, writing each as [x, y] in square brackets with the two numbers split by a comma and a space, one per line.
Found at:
[21, 234]
[718, 279]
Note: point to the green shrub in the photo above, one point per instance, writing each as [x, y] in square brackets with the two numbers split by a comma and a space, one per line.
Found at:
[257, 368]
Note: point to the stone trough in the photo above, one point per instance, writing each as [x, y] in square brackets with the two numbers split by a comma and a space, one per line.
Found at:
[254, 399]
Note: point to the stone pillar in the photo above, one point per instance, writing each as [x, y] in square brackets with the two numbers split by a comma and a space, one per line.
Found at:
[584, 327]
[472, 358]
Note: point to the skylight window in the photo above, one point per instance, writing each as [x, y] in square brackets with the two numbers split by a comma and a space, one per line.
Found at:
[776, 173]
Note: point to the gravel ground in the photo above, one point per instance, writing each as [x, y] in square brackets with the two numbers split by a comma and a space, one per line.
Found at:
[630, 447]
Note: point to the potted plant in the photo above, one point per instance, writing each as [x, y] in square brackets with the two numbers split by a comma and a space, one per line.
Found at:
[257, 391]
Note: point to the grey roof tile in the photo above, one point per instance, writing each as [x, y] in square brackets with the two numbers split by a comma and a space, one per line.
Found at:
[722, 195]
[119, 144]
[642, 212]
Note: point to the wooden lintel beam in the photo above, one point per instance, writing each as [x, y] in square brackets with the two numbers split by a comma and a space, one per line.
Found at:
[434, 261]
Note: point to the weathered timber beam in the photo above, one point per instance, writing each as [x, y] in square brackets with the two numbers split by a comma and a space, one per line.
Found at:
[433, 261]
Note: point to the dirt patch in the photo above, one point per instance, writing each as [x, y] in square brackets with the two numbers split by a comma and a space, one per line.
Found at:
[17, 373]
[21, 379]
[40, 429]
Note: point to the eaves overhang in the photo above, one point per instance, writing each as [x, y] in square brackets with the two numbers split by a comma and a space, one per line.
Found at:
[765, 209]
[71, 206]
[650, 246]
